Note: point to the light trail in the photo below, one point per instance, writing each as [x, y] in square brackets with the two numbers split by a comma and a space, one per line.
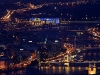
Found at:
[10, 12]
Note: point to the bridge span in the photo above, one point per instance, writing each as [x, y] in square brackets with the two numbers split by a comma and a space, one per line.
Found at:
[91, 22]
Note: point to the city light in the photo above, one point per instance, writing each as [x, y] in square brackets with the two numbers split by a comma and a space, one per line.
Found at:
[30, 41]
[21, 49]
[50, 37]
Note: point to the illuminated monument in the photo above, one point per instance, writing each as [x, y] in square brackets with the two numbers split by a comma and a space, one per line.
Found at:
[43, 21]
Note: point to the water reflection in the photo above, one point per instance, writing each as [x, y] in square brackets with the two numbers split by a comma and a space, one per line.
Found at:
[67, 70]
[48, 71]
[59, 69]
[54, 69]
[79, 68]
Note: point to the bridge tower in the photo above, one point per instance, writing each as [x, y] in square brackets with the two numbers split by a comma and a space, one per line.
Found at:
[92, 69]
[66, 60]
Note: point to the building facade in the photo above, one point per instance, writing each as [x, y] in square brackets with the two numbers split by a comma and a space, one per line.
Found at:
[43, 21]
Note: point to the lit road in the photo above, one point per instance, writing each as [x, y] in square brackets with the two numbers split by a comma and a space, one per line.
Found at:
[10, 12]
[74, 62]
[31, 7]
[94, 31]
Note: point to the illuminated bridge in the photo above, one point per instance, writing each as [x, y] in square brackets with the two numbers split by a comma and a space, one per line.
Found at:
[61, 56]
[85, 22]
[80, 46]
[71, 51]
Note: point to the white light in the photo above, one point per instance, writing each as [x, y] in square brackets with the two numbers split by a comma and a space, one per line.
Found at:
[56, 40]
[29, 41]
[40, 13]
[55, 7]
[67, 64]
[21, 49]
[47, 19]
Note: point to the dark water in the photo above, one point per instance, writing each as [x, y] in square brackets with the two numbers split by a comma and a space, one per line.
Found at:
[48, 71]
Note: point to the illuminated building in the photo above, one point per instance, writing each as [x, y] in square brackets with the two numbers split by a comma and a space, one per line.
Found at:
[42, 21]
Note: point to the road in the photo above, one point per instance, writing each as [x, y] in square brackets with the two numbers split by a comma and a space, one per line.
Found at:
[10, 12]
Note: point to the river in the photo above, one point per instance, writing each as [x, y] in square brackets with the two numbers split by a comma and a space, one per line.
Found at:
[58, 70]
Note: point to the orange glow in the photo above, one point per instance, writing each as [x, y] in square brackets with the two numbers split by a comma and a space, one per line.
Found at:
[90, 71]
[2, 64]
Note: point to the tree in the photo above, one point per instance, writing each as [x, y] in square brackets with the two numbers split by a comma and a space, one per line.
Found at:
[16, 59]
[24, 57]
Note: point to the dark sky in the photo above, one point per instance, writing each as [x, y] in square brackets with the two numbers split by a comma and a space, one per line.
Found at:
[40, 1]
